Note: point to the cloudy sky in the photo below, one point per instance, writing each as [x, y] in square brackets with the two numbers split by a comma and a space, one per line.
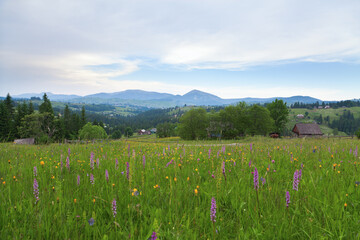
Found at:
[233, 49]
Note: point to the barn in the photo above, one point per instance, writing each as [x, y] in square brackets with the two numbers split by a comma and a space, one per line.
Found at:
[307, 130]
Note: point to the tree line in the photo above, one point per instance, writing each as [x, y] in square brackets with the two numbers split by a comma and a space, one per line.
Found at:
[21, 120]
[234, 121]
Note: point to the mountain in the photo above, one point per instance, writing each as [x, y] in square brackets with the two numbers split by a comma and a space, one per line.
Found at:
[53, 97]
[132, 94]
[162, 100]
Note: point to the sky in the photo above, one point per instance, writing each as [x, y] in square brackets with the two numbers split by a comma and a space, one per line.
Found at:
[230, 48]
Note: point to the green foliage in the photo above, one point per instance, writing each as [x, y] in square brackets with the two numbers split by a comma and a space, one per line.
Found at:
[128, 132]
[280, 113]
[358, 133]
[46, 106]
[116, 134]
[193, 124]
[165, 130]
[89, 132]
[261, 122]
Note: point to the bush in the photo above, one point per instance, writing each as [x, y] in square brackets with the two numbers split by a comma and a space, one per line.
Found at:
[89, 132]
[358, 133]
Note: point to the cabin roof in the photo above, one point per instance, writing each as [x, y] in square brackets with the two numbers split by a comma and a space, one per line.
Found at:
[307, 129]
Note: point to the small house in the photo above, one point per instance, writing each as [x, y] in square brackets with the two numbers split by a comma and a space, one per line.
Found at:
[300, 116]
[307, 130]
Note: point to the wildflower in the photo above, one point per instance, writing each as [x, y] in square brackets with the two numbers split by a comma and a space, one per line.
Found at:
[188, 179]
[114, 207]
[3, 182]
[287, 199]
[113, 184]
[91, 178]
[127, 170]
[93, 200]
[196, 169]
[135, 192]
[167, 177]
[107, 175]
[35, 171]
[91, 221]
[92, 160]
[345, 205]
[78, 180]
[175, 179]
[53, 177]
[97, 162]
[223, 169]
[69, 151]
[68, 163]
[36, 190]
[153, 236]
[296, 181]
[53, 188]
[42, 163]
[256, 179]
[116, 163]
[197, 187]
[156, 186]
[213, 210]
[196, 191]
[263, 180]
[74, 200]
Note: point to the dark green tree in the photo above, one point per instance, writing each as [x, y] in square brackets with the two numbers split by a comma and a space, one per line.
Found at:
[128, 132]
[90, 132]
[46, 106]
[83, 116]
[261, 122]
[193, 124]
[280, 113]
[165, 130]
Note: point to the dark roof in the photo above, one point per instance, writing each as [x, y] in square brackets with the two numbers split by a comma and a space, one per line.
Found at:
[307, 129]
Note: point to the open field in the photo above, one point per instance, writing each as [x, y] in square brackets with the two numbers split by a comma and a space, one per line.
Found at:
[131, 189]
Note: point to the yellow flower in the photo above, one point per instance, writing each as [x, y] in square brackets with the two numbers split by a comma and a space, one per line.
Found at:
[53, 177]
[319, 166]
[345, 205]
[93, 200]
[175, 179]
[42, 163]
[53, 188]
[74, 200]
[197, 187]
[196, 191]
[196, 169]
[4, 182]
[113, 184]
[188, 178]
[338, 171]
[14, 177]
[167, 177]
[179, 165]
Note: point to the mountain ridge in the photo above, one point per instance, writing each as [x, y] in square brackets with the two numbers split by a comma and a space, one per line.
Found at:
[160, 100]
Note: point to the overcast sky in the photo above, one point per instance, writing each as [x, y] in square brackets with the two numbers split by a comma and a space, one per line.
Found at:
[229, 48]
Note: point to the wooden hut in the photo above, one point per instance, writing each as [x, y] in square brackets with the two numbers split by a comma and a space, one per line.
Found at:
[307, 130]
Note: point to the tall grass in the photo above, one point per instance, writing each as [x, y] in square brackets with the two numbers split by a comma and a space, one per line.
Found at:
[170, 187]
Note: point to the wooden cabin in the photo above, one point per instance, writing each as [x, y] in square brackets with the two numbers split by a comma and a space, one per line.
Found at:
[307, 130]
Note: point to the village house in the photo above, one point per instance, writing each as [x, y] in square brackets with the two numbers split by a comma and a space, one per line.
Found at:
[307, 130]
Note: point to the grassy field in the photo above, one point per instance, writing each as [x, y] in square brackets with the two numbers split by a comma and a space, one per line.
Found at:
[138, 188]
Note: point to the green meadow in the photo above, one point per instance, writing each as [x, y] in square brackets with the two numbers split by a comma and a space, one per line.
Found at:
[165, 188]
